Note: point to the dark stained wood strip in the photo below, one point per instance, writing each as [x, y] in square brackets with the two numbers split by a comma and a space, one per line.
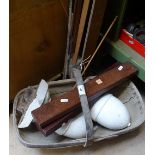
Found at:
[94, 88]
[76, 21]
[57, 123]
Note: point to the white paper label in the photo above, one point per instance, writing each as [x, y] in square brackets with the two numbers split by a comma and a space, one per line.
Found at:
[131, 42]
[64, 100]
[81, 90]
[99, 81]
[120, 68]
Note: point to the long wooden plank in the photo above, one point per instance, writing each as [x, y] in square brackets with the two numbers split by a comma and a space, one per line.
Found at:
[80, 30]
[64, 119]
[94, 88]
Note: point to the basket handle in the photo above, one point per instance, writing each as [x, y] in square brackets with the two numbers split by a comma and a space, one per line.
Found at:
[84, 104]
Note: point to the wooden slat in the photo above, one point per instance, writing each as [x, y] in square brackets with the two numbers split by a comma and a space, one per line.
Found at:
[80, 30]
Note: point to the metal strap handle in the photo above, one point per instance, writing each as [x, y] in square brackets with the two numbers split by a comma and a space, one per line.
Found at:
[85, 107]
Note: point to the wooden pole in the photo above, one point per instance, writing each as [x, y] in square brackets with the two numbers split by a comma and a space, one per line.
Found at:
[99, 45]
[80, 30]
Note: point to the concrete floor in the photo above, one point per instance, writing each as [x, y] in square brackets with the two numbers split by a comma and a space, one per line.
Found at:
[129, 144]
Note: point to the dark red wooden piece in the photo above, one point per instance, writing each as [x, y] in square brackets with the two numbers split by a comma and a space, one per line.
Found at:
[55, 109]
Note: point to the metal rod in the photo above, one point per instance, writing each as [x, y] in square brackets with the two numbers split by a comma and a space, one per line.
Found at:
[88, 28]
[67, 56]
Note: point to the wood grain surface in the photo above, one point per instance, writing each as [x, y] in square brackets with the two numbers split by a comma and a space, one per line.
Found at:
[37, 41]
[56, 109]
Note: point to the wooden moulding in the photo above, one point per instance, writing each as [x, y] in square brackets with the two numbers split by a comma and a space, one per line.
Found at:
[57, 123]
[56, 109]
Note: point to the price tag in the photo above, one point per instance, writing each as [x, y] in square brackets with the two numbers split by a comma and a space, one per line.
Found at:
[99, 81]
[64, 100]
